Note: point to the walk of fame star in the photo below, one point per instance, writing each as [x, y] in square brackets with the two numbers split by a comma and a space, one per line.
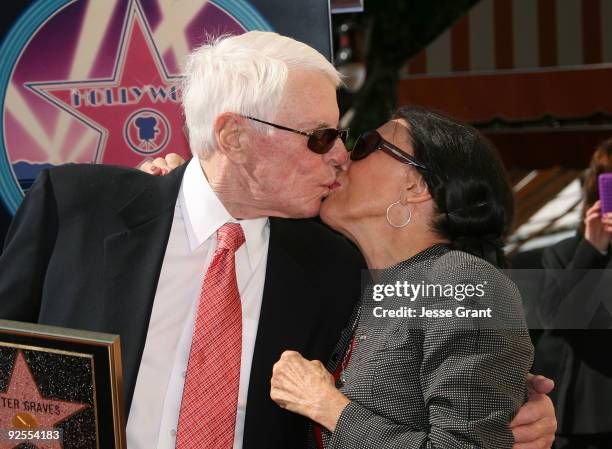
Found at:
[22, 407]
[137, 110]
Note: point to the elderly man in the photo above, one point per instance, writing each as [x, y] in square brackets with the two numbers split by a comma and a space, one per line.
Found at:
[204, 288]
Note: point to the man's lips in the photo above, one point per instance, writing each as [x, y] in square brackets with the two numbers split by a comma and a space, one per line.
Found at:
[333, 185]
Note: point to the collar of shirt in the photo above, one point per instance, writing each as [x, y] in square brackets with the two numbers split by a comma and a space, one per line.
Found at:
[204, 214]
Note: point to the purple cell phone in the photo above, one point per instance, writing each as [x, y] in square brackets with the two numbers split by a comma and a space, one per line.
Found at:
[605, 192]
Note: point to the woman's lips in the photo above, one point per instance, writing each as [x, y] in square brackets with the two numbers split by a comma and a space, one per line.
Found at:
[333, 185]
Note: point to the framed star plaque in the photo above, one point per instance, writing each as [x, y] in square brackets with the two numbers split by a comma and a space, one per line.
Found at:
[59, 388]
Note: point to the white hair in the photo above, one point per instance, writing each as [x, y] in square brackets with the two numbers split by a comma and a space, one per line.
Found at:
[244, 74]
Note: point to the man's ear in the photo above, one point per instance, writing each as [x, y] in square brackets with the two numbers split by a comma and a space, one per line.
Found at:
[414, 189]
[229, 130]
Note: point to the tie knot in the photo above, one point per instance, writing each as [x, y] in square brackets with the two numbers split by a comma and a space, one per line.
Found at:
[230, 236]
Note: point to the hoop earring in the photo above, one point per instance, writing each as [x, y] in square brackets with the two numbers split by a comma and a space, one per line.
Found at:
[403, 224]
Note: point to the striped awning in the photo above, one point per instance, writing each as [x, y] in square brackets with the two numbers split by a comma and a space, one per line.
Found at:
[518, 60]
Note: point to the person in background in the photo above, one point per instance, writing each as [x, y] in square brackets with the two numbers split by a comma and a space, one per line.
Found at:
[573, 357]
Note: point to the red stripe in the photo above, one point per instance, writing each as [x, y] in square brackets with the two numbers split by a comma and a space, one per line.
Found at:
[418, 64]
[591, 31]
[318, 436]
[504, 45]
[460, 45]
[516, 96]
[547, 31]
[317, 429]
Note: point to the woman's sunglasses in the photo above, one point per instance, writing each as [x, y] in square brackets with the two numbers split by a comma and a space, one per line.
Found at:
[320, 141]
[371, 141]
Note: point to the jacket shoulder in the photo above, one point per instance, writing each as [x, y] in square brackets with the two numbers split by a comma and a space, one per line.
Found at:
[308, 236]
[459, 266]
[92, 177]
[78, 185]
[494, 287]
[565, 247]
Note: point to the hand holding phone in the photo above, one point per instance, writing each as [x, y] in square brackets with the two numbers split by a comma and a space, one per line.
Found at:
[605, 192]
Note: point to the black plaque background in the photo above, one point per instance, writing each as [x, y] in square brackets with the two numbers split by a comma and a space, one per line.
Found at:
[70, 392]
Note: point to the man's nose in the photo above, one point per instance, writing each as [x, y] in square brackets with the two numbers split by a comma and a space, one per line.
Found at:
[338, 156]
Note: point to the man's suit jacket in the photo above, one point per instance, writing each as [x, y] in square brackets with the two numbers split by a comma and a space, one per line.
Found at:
[577, 359]
[85, 251]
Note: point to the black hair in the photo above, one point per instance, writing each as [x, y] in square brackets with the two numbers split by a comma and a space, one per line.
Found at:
[466, 180]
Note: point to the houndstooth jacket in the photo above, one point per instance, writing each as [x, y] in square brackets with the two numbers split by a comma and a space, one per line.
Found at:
[434, 382]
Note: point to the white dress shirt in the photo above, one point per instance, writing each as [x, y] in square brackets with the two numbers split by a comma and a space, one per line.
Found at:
[198, 214]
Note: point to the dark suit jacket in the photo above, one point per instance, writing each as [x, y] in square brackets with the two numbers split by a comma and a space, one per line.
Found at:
[85, 251]
[577, 359]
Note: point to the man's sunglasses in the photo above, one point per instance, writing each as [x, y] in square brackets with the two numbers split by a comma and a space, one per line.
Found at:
[371, 141]
[319, 140]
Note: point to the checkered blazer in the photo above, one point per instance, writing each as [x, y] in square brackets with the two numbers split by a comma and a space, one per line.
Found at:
[434, 382]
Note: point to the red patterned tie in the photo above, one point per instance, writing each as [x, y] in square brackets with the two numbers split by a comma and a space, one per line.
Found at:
[208, 411]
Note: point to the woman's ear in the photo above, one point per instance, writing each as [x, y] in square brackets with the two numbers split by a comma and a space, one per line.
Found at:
[229, 131]
[414, 189]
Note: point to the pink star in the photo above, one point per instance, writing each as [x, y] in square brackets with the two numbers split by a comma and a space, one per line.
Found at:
[137, 111]
[22, 407]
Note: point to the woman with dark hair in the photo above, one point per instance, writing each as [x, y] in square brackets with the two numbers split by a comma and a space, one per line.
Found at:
[601, 162]
[570, 353]
[428, 203]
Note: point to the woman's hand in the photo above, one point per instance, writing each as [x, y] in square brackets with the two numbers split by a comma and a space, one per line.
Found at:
[307, 388]
[535, 424]
[598, 228]
[162, 165]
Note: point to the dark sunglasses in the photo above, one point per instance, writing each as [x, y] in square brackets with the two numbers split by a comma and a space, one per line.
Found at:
[371, 141]
[320, 141]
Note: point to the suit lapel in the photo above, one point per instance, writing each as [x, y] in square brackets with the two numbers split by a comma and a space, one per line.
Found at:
[133, 259]
[287, 318]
